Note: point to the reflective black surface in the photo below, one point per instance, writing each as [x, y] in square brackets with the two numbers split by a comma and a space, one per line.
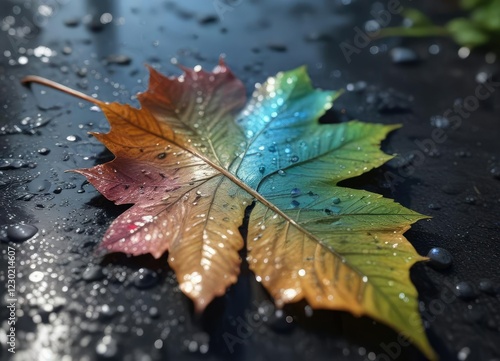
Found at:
[72, 305]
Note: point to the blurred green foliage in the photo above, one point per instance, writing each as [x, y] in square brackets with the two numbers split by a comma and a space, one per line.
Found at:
[480, 25]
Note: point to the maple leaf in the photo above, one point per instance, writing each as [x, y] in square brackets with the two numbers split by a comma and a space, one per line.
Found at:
[196, 155]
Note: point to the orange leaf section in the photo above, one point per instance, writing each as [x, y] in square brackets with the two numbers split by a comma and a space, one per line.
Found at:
[162, 167]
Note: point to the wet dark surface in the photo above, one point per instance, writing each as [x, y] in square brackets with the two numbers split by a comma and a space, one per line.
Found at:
[74, 306]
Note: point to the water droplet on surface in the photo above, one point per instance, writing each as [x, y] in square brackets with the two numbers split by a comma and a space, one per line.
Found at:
[107, 347]
[208, 19]
[295, 192]
[405, 56]
[21, 232]
[107, 312]
[434, 206]
[438, 121]
[470, 200]
[72, 22]
[39, 186]
[439, 258]
[434, 49]
[463, 354]
[356, 87]
[154, 312]
[280, 322]
[144, 278]
[73, 138]
[487, 286]
[36, 276]
[294, 159]
[335, 200]
[23, 60]
[465, 290]
[118, 59]
[199, 342]
[93, 273]
[262, 169]
[43, 151]
[281, 172]
[9, 163]
[463, 52]
[495, 172]
[278, 47]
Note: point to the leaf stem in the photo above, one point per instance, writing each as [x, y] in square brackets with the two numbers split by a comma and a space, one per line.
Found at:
[27, 80]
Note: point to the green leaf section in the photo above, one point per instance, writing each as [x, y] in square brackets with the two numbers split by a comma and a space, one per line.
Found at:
[324, 230]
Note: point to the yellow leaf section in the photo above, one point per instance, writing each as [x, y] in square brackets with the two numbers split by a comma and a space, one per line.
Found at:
[204, 254]
[338, 270]
[197, 220]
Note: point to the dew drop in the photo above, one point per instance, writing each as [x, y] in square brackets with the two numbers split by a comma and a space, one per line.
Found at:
[107, 347]
[294, 159]
[106, 312]
[439, 258]
[281, 172]
[21, 232]
[43, 151]
[72, 138]
[463, 354]
[487, 286]
[39, 186]
[465, 291]
[280, 322]
[295, 192]
[144, 278]
[36, 276]
[93, 273]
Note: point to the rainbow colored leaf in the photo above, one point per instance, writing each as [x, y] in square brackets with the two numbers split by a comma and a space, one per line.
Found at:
[197, 154]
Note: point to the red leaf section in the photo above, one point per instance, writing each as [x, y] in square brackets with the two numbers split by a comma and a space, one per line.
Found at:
[154, 168]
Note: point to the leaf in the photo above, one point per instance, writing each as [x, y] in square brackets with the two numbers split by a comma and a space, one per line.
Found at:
[194, 157]
[471, 4]
[466, 33]
[486, 17]
[417, 17]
